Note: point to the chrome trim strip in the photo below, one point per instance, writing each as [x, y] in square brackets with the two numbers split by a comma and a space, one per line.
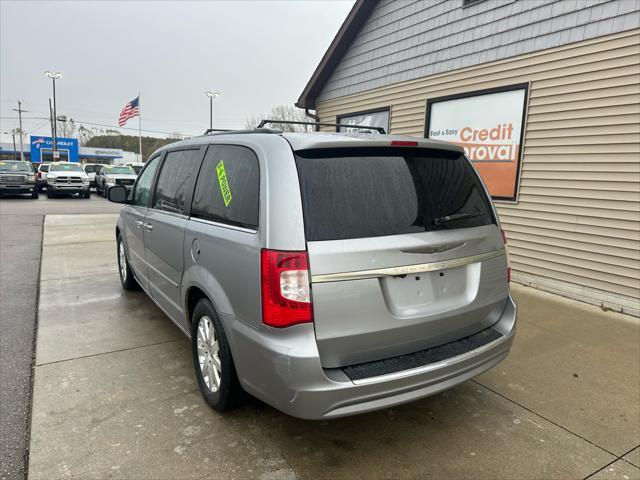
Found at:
[139, 257]
[407, 269]
[164, 212]
[175, 285]
[431, 366]
[148, 265]
[222, 225]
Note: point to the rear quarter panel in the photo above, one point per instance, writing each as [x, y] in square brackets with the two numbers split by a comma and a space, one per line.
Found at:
[228, 267]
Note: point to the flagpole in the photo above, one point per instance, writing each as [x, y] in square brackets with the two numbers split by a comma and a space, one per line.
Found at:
[140, 126]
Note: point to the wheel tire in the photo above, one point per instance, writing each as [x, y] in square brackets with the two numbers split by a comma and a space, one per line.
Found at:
[228, 392]
[125, 273]
[35, 193]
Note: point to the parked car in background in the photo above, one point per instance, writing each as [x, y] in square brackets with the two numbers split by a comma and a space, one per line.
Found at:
[91, 169]
[327, 274]
[41, 176]
[110, 175]
[17, 178]
[137, 166]
[67, 178]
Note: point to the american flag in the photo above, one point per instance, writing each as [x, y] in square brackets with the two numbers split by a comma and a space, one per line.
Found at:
[130, 110]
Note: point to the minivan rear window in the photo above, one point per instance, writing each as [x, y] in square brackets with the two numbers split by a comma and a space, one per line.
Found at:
[371, 192]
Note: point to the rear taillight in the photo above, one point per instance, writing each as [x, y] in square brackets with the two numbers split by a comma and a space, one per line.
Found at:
[508, 274]
[286, 295]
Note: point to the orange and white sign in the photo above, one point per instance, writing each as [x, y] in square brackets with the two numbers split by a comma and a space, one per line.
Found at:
[488, 125]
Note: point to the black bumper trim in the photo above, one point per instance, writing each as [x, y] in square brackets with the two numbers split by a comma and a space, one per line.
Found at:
[421, 358]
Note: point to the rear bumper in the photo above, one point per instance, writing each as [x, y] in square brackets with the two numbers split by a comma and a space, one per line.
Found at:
[282, 368]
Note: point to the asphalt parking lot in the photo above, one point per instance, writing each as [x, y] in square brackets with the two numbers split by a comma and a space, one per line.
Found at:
[114, 395]
[21, 220]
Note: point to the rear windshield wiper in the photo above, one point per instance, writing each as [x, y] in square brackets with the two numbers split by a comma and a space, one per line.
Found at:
[456, 216]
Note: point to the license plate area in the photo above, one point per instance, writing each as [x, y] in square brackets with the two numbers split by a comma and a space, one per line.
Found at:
[425, 293]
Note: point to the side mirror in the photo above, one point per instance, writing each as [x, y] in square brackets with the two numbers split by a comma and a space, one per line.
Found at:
[117, 194]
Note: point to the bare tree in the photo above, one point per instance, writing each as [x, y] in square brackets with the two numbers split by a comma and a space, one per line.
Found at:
[282, 112]
[66, 126]
[85, 134]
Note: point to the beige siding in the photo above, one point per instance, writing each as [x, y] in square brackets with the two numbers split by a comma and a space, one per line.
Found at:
[576, 226]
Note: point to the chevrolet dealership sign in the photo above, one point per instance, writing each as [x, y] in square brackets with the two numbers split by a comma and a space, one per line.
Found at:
[42, 149]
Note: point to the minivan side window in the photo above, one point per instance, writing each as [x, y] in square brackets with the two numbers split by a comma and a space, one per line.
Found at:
[228, 187]
[178, 168]
[142, 190]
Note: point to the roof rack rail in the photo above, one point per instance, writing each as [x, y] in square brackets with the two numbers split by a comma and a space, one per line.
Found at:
[321, 124]
[215, 130]
[219, 131]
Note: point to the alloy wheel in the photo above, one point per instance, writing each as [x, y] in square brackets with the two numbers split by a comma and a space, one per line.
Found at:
[208, 353]
[122, 260]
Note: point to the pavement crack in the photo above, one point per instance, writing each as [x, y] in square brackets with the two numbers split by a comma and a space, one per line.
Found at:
[57, 279]
[109, 352]
[614, 461]
[92, 242]
[545, 418]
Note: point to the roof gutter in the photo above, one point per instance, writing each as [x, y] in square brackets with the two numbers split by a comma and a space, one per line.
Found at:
[313, 117]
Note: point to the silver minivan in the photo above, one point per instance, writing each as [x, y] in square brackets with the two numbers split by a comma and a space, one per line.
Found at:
[327, 274]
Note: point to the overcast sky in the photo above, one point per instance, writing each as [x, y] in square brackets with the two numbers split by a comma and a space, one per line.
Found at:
[258, 54]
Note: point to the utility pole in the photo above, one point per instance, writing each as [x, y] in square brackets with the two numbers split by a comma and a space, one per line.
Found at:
[13, 135]
[20, 111]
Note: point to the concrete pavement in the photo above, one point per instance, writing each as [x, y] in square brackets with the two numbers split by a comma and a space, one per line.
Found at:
[20, 250]
[20, 239]
[115, 396]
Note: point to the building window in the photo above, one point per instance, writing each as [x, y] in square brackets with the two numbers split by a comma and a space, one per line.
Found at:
[370, 118]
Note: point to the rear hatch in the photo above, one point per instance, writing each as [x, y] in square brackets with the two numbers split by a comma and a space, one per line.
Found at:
[405, 252]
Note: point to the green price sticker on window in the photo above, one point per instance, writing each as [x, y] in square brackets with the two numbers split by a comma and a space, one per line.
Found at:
[224, 185]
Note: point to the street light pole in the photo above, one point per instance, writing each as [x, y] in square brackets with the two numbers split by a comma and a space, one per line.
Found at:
[54, 77]
[211, 96]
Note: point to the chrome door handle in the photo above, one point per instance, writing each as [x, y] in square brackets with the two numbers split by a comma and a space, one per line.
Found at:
[148, 227]
[139, 224]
